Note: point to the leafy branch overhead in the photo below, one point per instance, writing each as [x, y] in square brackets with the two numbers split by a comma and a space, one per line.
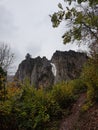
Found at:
[80, 17]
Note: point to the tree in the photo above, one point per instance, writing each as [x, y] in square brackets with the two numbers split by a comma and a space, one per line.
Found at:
[2, 84]
[6, 56]
[81, 19]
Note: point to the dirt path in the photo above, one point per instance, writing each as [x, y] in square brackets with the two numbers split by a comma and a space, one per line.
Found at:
[69, 122]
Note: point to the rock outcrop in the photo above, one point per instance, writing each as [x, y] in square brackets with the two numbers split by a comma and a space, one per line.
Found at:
[37, 70]
[68, 64]
[41, 72]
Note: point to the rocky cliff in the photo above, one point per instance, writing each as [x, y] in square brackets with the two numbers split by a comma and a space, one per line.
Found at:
[37, 70]
[63, 66]
[68, 64]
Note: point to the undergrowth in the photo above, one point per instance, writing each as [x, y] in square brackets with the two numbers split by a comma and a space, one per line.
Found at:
[29, 108]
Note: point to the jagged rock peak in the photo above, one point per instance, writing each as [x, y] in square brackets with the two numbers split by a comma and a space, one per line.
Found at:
[42, 72]
[38, 70]
[68, 64]
[68, 53]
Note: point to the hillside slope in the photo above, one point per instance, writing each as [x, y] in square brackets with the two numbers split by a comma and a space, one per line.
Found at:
[79, 120]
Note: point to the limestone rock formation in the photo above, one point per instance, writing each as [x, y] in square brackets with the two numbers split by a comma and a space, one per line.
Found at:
[68, 64]
[37, 70]
[41, 72]
[42, 75]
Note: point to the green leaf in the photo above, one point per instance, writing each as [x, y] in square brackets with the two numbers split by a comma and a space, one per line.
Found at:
[60, 6]
[68, 15]
[66, 38]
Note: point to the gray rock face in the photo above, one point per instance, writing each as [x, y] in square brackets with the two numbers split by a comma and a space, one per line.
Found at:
[68, 64]
[38, 71]
[41, 72]
[25, 69]
[42, 75]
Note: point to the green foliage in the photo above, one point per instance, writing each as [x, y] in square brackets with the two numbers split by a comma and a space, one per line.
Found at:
[78, 86]
[90, 77]
[2, 84]
[81, 20]
[29, 108]
[67, 37]
[86, 106]
[2, 77]
[63, 95]
[56, 18]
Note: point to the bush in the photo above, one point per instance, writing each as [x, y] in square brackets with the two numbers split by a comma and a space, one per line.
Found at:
[78, 86]
[32, 109]
[86, 106]
[63, 95]
[28, 109]
[2, 84]
[90, 77]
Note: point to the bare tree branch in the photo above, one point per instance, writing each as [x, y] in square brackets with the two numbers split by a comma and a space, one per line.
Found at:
[6, 56]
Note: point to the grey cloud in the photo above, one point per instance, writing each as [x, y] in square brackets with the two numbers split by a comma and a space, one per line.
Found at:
[34, 33]
[7, 27]
[34, 49]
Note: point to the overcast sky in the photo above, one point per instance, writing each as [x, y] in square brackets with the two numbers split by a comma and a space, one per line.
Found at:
[26, 26]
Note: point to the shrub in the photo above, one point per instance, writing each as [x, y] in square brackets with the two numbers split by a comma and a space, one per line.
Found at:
[63, 95]
[32, 109]
[90, 77]
[78, 86]
[28, 109]
[2, 84]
